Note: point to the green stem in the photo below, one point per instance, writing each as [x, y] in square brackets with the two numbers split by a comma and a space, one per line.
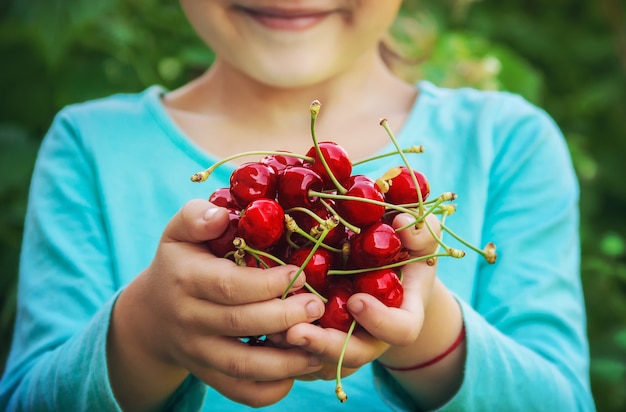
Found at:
[412, 149]
[343, 221]
[420, 199]
[306, 261]
[307, 211]
[204, 175]
[460, 239]
[256, 253]
[314, 109]
[340, 272]
[422, 217]
[453, 252]
[292, 227]
[361, 199]
[341, 395]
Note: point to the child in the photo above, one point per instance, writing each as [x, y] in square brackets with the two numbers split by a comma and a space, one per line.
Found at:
[121, 306]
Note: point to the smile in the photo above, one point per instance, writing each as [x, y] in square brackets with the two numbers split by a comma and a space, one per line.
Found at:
[282, 19]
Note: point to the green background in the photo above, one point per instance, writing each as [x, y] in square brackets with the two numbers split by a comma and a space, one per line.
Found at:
[568, 56]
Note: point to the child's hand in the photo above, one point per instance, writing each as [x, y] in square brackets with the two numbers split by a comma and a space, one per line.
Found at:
[183, 315]
[385, 328]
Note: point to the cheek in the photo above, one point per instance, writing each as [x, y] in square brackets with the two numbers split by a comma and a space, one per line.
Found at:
[210, 22]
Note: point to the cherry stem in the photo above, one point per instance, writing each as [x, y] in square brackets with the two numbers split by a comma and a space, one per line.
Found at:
[412, 149]
[343, 221]
[420, 200]
[453, 252]
[466, 243]
[341, 395]
[341, 272]
[307, 211]
[314, 108]
[292, 227]
[204, 175]
[317, 244]
[444, 215]
[241, 245]
[362, 199]
[432, 209]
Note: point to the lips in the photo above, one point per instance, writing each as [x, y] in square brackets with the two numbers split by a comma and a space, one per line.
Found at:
[285, 19]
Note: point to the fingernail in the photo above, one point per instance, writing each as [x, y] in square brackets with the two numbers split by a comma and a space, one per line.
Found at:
[313, 309]
[210, 213]
[356, 306]
[314, 361]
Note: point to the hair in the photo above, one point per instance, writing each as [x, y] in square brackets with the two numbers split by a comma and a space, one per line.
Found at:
[407, 45]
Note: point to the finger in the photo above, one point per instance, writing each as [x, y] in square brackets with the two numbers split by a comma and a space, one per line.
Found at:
[327, 344]
[397, 326]
[241, 361]
[419, 241]
[222, 281]
[262, 318]
[197, 221]
[252, 393]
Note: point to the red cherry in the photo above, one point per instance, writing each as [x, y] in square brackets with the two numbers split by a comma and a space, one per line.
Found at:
[294, 184]
[402, 189]
[221, 197]
[336, 314]
[383, 284]
[280, 162]
[337, 159]
[316, 269]
[261, 223]
[360, 213]
[377, 245]
[343, 282]
[252, 181]
[223, 244]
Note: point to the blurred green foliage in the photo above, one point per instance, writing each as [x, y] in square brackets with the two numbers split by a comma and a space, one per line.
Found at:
[568, 56]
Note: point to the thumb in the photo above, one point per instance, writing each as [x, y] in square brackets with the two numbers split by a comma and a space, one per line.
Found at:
[197, 221]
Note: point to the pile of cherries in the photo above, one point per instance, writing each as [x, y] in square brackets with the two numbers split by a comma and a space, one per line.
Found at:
[311, 211]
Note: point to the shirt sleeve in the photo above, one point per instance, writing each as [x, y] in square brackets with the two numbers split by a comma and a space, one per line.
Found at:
[526, 329]
[66, 290]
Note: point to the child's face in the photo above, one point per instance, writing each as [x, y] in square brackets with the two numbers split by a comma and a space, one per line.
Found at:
[291, 43]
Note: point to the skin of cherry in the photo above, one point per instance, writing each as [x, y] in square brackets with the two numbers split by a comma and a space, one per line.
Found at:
[252, 180]
[337, 159]
[261, 223]
[383, 284]
[377, 245]
[223, 244]
[294, 184]
[360, 213]
[281, 162]
[336, 314]
[221, 197]
[402, 189]
[316, 269]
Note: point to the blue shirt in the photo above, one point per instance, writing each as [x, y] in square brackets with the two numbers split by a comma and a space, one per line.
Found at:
[112, 172]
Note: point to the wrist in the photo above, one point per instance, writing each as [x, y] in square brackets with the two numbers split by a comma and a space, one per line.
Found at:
[140, 374]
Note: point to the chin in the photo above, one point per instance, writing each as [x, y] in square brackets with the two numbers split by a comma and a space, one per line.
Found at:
[293, 73]
[291, 80]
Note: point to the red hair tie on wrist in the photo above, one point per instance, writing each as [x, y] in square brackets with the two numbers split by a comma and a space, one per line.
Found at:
[432, 361]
